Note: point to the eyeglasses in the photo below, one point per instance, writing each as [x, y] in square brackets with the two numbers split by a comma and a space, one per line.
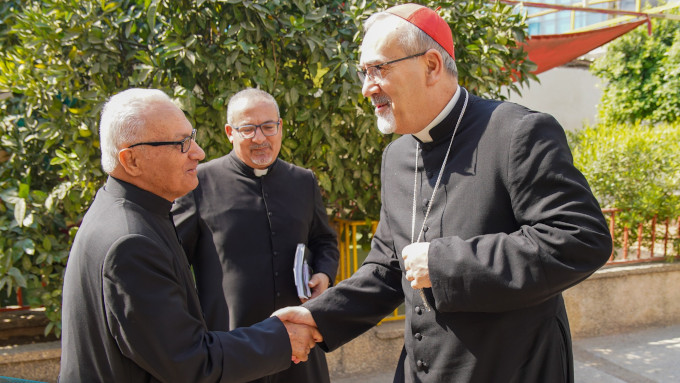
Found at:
[184, 145]
[374, 72]
[267, 128]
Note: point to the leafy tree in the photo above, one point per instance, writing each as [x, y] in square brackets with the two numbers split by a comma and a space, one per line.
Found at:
[61, 59]
[643, 75]
[635, 168]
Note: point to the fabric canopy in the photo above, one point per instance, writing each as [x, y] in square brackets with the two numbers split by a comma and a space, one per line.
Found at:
[549, 51]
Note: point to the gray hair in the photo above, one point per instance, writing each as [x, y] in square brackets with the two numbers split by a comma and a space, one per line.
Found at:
[413, 40]
[249, 94]
[123, 120]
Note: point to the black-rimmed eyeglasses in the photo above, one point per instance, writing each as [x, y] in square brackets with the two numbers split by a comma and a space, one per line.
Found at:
[374, 72]
[184, 145]
[268, 129]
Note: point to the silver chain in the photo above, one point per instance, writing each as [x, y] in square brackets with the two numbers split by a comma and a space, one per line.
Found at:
[434, 191]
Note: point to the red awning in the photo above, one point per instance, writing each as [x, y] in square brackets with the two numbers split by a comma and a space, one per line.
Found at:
[549, 51]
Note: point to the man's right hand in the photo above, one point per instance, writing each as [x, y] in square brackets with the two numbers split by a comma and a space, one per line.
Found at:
[295, 314]
[302, 339]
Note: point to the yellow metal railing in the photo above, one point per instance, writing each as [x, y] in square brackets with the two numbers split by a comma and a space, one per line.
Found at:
[665, 235]
[351, 254]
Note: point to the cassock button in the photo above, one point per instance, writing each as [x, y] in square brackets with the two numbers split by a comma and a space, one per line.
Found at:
[273, 233]
[270, 213]
[276, 273]
[278, 294]
[418, 310]
[276, 253]
[418, 336]
[430, 174]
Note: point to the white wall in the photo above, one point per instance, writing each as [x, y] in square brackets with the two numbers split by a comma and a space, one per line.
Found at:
[570, 94]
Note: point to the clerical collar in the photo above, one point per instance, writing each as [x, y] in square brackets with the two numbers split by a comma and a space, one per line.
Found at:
[424, 135]
[247, 170]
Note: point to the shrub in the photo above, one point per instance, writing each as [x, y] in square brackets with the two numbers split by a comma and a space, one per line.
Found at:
[61, 59]
[635, 168]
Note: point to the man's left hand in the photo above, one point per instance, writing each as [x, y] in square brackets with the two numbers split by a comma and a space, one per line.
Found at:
[415, 263]
[318, 283]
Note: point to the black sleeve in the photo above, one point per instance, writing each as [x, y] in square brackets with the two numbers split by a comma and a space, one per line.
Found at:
[356, 304]
[147, 313]
[562, 239]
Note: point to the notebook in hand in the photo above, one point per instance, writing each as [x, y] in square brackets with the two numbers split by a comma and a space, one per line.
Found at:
[302, 271]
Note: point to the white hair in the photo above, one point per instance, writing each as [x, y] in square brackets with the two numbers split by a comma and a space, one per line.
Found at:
[249, 94]
[413, 40]
[123, 120]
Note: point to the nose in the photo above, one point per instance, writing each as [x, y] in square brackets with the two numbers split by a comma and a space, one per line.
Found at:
[196, 152]
[259, 137]
[369, 87]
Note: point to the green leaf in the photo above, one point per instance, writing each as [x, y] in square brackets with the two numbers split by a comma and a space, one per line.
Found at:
[47, 244]
[151, 14]
[18, 277]
[20, 211]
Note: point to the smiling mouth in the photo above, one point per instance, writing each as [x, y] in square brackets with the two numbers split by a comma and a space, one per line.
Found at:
[380, 103]
[381, 109]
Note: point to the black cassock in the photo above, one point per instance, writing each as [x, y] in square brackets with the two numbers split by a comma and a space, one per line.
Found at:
[240, 232]
[513, 224]
[130, 309]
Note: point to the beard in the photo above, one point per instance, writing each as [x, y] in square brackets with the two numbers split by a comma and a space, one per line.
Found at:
[262, 160]
[261, 157]
[386, 121]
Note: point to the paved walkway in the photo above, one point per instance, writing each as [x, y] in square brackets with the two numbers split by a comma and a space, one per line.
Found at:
[646, 356]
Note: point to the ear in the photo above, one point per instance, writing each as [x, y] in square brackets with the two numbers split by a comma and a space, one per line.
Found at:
[129, 161]
[435, 66]
[230, 132]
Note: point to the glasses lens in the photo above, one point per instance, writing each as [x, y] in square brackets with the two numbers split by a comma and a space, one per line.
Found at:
[247, 131]
[361, 73]
[371, 73]
[186, 143]
[270, 129]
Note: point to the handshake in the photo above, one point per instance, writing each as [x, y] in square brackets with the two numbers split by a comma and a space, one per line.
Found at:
[301, 329]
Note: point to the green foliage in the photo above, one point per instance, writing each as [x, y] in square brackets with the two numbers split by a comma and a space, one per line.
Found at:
[61, 59]
[635, 168]
[642, 74]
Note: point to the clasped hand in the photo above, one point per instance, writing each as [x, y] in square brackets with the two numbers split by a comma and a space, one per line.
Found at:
[415, 262]
[301, 329]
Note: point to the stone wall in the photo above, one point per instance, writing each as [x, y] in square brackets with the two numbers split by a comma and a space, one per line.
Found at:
[625, 298]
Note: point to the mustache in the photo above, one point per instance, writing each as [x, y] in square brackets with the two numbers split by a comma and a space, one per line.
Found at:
[260, 146]
[380, 99]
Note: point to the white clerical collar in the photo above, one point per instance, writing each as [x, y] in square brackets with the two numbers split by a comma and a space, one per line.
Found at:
[260, 172]
[424, 135]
